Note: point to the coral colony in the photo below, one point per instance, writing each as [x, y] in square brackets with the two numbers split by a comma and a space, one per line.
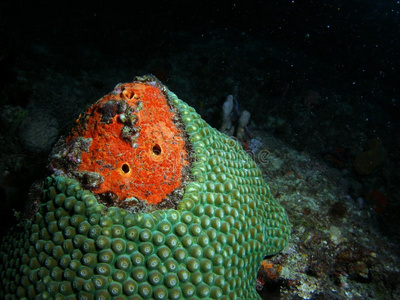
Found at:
[145, 201]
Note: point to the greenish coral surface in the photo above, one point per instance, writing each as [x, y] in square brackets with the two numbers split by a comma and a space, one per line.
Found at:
[210, 247]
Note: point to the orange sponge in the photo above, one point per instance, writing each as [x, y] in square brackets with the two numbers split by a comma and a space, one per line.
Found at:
[129, 146]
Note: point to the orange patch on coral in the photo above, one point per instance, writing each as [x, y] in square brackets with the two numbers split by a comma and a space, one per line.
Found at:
[142, 160]
[270, 270]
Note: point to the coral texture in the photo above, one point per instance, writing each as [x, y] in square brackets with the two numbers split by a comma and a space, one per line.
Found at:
[207, 243]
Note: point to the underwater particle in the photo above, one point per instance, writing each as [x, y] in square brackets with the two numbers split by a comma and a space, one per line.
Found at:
[165, 219]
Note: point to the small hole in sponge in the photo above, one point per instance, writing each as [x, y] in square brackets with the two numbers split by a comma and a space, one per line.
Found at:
[128, 94]
[125, 168]
[157, 149]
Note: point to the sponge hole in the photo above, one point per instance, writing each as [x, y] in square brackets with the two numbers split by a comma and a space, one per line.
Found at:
[128, 94]
[125, 168]
[157, 149]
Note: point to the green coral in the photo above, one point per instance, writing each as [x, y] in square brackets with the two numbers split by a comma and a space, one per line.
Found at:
[210, 247]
